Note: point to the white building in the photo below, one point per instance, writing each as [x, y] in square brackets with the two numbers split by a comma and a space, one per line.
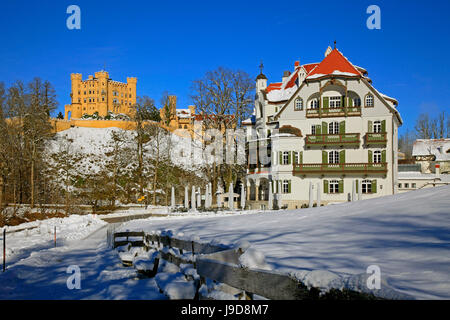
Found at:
[328, 130]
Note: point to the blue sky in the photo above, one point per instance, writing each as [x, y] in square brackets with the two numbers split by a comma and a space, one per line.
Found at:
[167, 44]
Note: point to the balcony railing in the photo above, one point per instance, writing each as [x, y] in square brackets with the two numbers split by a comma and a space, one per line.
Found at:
[376, 138]
[333, 112]
[344, 139]
[319, 168]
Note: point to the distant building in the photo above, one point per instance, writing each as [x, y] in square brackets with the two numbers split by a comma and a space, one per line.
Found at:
[100, 95]
[430, 167]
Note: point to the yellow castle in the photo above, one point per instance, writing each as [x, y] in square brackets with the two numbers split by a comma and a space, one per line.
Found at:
[100, 94]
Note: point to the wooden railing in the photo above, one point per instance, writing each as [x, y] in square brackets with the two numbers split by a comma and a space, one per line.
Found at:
[376, 138]
[333, 112]
[332, 139]
[305, 168]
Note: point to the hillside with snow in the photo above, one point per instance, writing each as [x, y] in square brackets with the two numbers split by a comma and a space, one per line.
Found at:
[406, 235]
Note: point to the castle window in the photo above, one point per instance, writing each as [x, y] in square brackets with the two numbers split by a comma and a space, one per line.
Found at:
[366, 186]
[333, 157]
[285, 186]
[357, 102]
[369, 100]
[285, 157]
[333, 186]
[335, 102]
[377, 156]
[377, 126]
[299, 104]
[333, 128]
[314, 104]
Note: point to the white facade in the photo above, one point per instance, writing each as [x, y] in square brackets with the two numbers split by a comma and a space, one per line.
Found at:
[331, 131]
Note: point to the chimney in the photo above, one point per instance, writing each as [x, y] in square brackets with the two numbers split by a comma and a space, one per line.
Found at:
[437, 171]
[297, 64]
[286, 75]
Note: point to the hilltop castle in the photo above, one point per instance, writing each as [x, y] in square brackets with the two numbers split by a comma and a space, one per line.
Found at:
[100, 94]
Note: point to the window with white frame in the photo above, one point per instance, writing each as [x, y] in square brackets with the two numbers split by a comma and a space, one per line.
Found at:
[377, 126]
[285, 157]
[369, 100]
[377, 156]
[333, 128]
[335, 102]
[299, 104]
[285, 186]
[313, 129]
[366, 186]
[314, 104]
[333, 186]
[333, 157]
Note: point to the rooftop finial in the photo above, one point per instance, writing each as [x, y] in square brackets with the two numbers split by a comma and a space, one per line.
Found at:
[261, 67]
[335, 44]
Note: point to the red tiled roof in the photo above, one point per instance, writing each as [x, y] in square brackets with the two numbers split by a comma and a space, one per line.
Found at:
[273, 86]
[334, 61]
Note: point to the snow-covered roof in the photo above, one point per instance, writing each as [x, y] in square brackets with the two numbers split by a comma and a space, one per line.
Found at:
[440, 148]
[184, 113]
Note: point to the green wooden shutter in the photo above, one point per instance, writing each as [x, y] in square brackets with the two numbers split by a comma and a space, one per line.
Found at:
[357, 185]
[326, 102]
[349, 102]
[374, 186]
[383, 156]
[342, 127]
[324, 128]
[341, 186]
[325, 186]
[281, 157]
[271, 185]
[301, 157]
[342, 156]
[289, 157]
[276, 182]
[324, 157]
[370, 156]
[370, 127]
[383, 126]
[289, 186]
[318, 129]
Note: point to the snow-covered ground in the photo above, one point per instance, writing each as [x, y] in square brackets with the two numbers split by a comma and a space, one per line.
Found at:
[406, 235]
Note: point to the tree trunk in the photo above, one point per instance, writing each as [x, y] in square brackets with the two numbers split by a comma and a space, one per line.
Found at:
[1, 192]
[32, 184]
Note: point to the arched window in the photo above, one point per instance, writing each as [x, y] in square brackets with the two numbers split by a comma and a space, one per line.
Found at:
[369, 100]
[333, 157]
[333, 128]
[377, 126]
[314, 104]
[299, 104]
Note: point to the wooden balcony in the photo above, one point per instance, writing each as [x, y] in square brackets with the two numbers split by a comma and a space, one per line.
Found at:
[341, 168]
[372, 138]
[321, 140]
[333, 112]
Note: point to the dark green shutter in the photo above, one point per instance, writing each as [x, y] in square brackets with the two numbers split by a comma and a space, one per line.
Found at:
[342, 156]
[357, 185]
[289, 186]
[289, 157]
[370, 156]
[276, 182]
[301, 157]
[271, 185]
[383, 126]
[374, 186]
[326, 102]
[318, 129]
[324, 157]
[383, 156]
[341, 186]
[325, 186]
[370, 127]
[342, 127]
[324, 128]
[349, 102]
[281, 157]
